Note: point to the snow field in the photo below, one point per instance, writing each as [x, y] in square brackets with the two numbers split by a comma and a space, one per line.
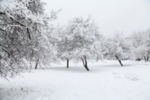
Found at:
[106, 80]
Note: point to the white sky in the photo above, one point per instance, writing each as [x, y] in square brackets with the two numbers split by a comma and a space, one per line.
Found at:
[110, 15]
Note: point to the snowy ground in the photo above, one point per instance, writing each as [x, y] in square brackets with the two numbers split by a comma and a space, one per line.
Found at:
[106, 80]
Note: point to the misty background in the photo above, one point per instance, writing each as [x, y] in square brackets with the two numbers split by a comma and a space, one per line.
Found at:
[125, 16]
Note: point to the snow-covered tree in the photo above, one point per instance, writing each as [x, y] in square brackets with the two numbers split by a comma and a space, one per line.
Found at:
[83, 40]
[64, 45]
[117, 48]
[141, 44]
[23, 35]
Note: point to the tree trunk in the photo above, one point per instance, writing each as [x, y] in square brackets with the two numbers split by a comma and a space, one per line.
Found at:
[145, 59]
[119, 61]
[85, 63]
[37, 62]
[67, 63]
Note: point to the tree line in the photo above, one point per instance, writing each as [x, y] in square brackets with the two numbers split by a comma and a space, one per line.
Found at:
[27, 38]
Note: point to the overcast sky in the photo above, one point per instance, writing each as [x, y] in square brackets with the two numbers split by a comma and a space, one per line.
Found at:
[110, 15]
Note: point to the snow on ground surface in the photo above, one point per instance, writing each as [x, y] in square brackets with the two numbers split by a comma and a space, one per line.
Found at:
[106, 80]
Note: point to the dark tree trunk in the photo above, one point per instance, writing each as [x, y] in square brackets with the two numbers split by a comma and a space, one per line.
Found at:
[37, 62]
[85, 63]
[67, 63]
[28, 34]
[119, 61]
[145, 59]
